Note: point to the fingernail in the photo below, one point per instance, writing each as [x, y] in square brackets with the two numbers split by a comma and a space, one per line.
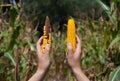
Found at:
[47, 46]
[69, 46]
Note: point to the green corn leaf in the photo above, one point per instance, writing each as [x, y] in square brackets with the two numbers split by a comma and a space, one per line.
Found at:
[107, 10]
[103, 5]
[7, 54]
[2, 67]
[13, 14]
[4, 33]
[116, 40]
[14, 37]
[115, 75]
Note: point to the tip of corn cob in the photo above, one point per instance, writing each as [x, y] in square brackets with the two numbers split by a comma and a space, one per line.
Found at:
[48, 26]
[71, 33]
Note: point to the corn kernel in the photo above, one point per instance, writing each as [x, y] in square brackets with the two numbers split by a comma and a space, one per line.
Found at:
[71, 34]
[47, 37]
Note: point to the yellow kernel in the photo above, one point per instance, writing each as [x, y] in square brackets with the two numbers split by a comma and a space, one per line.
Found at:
[71, 34]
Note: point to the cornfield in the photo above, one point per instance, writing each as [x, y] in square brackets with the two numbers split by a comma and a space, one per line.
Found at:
[100, 45]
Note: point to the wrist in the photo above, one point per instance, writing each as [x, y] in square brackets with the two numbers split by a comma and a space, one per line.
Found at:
[38, 76]
[39, 71]
[79, 74]
[77, 69]
[43, 68]
[76, 66]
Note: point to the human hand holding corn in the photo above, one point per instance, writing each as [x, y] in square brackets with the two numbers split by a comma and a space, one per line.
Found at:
[73, 53]
[43, 53]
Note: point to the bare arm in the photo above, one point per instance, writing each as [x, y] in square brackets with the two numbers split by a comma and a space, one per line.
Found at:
[43, 61]
[38, 76]
[79, 74]
[74, 61]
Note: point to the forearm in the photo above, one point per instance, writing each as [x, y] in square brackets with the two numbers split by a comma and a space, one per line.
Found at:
[79, 74]
[38, 76]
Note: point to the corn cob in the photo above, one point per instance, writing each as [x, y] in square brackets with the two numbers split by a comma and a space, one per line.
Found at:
[47, 34]
[71, 34]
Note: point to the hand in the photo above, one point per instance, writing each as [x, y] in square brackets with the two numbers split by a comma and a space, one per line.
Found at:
[74, 58]
[74, 61]
[43, 59]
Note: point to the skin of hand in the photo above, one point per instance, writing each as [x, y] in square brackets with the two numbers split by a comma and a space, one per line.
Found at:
[43, 61]
[73, 59]
[43, 58]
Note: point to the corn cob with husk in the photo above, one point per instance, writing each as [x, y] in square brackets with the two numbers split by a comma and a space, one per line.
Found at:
[71, 34]
[47, 34]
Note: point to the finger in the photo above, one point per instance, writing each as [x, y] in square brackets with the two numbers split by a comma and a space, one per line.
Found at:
[78, 46]
[47, 49]
[70, 50]
[40, 40]
[38, 46]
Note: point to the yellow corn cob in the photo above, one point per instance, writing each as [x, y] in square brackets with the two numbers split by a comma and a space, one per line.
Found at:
[47, 34]
[44, 40]
[71, 34]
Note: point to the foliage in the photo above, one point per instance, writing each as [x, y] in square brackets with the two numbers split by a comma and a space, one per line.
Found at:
[100, 45]
[115, 75]
[15, 45]
[110, 12]
[57, 10]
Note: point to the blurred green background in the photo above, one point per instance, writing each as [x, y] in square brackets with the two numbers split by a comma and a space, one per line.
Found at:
[97, 24]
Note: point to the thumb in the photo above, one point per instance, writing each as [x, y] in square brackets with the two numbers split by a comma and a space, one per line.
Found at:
[47, 49]
[70, 50]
